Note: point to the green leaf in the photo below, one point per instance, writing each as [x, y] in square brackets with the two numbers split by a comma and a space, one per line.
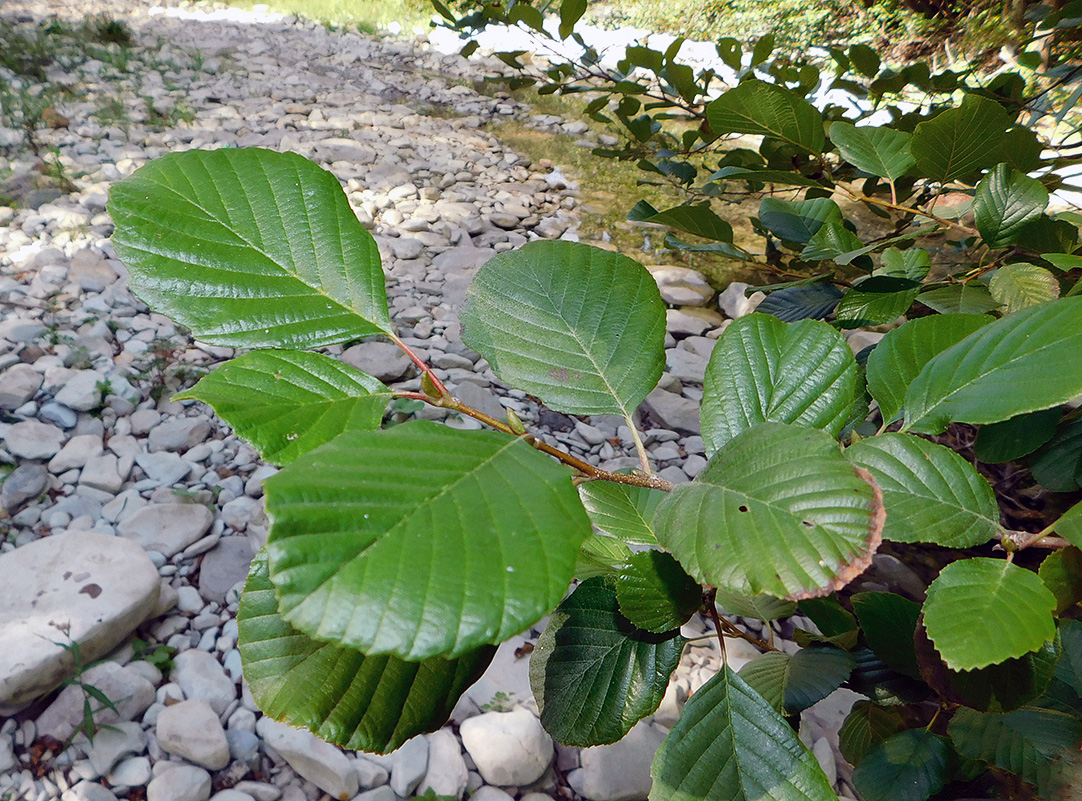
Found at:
[877, 300]
[795, 303]
[793, 682]
[931, 493]
[837, 624]
[421, 540]
[755, 107]
[909, 766]
[959, 299]
[778, 510]
[888, 622]
[1004, 202]
[656, 594]
[982, 611]
[1063, 261]
[1019, 286]
[913, 263]
[571, 11]
[368, 703]
[601, 555]
[976, 380]
[1069, 667]
[960, 141]
[1020, 436]
[249, 248]
[1023, 742]
[798, 220]
[695, 220]
[1061, 572]
[756, 607]
[1058, 465]
[900, 355]
[622, 510]
[579, 327]
[729, 743]
[765, 370]
[285, 403]
[755, 176]
[879, 151]
[1069, 525]
[833, 241]
[866, 725]
[594, 674]
[1009, 684]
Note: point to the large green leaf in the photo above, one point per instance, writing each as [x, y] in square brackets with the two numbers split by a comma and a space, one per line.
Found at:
[793, 682]
[960, 141]
[756, 607]
[909, 766]
[1058, 465]
[900, 356]
[655, 593]
[888, 621]
[368, 703]
[601, 555]
[1024, 742]
[971, 298]
[756, 107]
[866, 725]
[913, 263]
[1019, 286]
[982, 611]
[288, 402]
[1004, 202]
[421, 540]
[778, 510]
[249, 248]
[622, 510]
[695, 220]
[877, 300]
[931, 493]
[1061, 572]
[1069, 525]
[729, 743]
[978, 379]
[594, 674]
[835, 242]
[794, 303]
[797, 220]
[876, 150]
[1020, 436]
[765, 370]
[581, 328]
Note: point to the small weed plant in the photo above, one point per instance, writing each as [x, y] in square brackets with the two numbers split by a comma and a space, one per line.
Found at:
[400, 556]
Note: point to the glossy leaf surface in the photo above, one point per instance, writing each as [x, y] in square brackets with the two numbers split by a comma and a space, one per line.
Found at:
[960, 141]
[368, 703]
[581, 328]
[730, 743]
[594, 674]
[866, 725]
[765, 370]
[1058, 465]
[909, 766]
[285, 403]
[778, 510]
[622, 510]
[1004, 202]
[931, 493]
[876, 150]
[798, 220]
[982, 611]
[421, 540]
[793, 682]
[756, 107]
[249, 248]
[655, 593]
[1061, 572]
[969, 298]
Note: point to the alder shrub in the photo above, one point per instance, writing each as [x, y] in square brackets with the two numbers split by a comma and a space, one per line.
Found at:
[400, 556]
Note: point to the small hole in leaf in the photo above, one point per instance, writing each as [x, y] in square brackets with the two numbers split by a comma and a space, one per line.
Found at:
[743, 508]
[808, 523]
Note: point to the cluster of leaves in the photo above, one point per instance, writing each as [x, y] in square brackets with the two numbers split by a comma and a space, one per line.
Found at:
[399, 557]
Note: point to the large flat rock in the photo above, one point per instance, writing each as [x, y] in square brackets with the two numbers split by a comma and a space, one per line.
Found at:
[89, 588]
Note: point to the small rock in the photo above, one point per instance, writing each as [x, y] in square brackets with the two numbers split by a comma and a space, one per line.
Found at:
[691, 321]
[90, 271]
[167, 527]
[178, 434]
[674, 411]
[82, 391]
[88, 791]
[681, 286]
[191, 730]
[164, 467]
[317, 761]
[735, 304]
[410, 762]
[202, 678]
[510, 749]
[180, 783]
[114, 742]
[446, 774]
[223, 566]
[32, 439]
[18, 384]
[380, 359]
[685, 365]
[621, 771]
[23, 484]
[132, 772]
[83, 587]
[103, 473]
[76, 452]
[490, 793]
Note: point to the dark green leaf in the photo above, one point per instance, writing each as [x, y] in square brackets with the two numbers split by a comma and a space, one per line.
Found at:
[961, 141]
[900, 356]
[913, 263]
[909, 766]
[866, 725]
[421, 540]
[249, 248]
[655, 593]
[792, 683]
[1069, 667]
[778, 510]
[1008, 685]
[1069, 525]
[1061, 572]
[876, 301]
[875, 150]
[1058, 465]
[1020, 436]
[368, 703]
[730, 744]
[762, 50]
[833, 241]
[695, 220]
[931, 493]
[836, 623]
[285, 403]
[755, 176]
[797, 220]
[581, 328]
[1005, 201]
[982, 611]
[571, 11]
[795, 303]
[755, 107]
[594, 674]
[765, 370]
[888, 622]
